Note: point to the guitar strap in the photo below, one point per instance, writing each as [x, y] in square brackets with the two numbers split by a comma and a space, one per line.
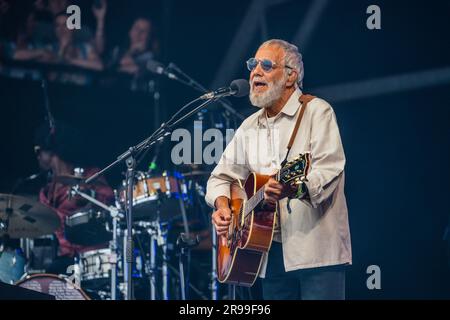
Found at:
[304, 99]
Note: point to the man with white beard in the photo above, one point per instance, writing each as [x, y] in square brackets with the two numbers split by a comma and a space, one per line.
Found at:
[311, 243]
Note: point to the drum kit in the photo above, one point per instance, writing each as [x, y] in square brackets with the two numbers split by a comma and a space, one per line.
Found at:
[162, 204]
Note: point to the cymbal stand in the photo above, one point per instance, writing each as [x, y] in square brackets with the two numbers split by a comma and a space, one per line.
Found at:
[163, 230]
[184, 244]
[116, 215]
[153, 230]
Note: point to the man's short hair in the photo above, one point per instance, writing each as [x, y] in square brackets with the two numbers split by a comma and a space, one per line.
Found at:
[293, 58]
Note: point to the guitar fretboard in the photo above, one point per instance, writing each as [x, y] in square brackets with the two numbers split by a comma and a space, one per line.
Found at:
[254, 201]
[257, 197]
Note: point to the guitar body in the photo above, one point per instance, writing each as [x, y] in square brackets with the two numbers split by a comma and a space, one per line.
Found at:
[240, 255]
[240, 252]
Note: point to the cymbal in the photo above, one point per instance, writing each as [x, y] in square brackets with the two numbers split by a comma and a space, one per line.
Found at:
[25, 218]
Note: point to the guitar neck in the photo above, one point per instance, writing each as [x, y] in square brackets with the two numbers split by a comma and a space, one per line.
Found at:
[291, 172]
[253, 202]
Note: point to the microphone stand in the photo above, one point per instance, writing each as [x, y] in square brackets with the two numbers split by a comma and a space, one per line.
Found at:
[129, 157]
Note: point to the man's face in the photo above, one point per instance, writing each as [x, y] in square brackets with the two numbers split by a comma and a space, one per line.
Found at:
[140, 31]
[44, 159]
[267, 86]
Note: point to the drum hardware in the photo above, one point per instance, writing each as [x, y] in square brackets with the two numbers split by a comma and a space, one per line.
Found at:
[158, 237]
[158, 233]
[113, 260]
[39, 253]
[161, 196]
[191, 286]
[116, 215]
[152, 274]
[27, 247]
[184, 244]
[165, 270]
[152, 229]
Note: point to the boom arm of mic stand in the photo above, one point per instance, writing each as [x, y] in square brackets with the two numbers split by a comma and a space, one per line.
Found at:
[197, 86]
[160, 133]
[187, 115]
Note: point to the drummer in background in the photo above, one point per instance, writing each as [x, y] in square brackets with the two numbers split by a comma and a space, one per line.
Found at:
[58, 151]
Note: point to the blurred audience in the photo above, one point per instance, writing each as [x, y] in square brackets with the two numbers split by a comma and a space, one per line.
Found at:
[54, 7]
[26, 46]
[41, 35]
[99, 11]
[140, 47]
[67, 50]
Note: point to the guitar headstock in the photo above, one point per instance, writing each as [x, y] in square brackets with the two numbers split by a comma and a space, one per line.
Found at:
[295, 170]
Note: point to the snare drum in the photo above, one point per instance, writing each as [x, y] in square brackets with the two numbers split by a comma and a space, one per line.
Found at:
[165, 194]
[56, 285]
[96, 267]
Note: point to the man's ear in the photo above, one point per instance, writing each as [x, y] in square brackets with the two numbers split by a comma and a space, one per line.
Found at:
[292, 78]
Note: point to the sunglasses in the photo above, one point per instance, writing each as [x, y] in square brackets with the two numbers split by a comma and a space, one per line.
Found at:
[266, 64]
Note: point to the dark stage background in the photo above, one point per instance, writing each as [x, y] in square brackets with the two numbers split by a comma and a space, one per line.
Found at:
[390, 89]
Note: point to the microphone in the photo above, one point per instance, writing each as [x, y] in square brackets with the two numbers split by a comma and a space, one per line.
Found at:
[158, 68]
[237, 88]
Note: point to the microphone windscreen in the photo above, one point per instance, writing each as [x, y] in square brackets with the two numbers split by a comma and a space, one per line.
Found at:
[241, 86]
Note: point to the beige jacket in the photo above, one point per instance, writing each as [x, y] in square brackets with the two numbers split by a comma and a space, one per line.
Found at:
[316, 232]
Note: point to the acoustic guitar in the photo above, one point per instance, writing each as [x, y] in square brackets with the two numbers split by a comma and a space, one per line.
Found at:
[240, 252]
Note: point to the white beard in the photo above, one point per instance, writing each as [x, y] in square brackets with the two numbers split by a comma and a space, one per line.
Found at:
[267, 98]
